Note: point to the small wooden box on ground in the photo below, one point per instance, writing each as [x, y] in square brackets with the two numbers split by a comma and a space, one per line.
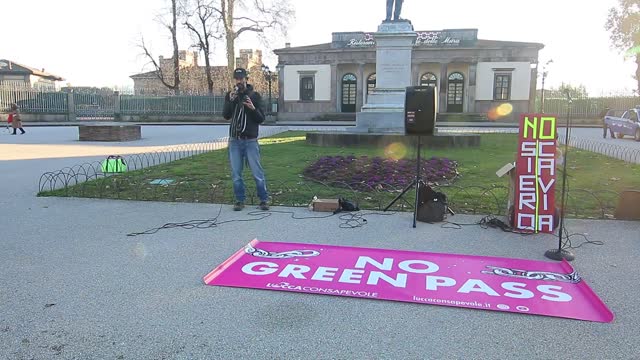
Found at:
[325, 205]
[628, 206]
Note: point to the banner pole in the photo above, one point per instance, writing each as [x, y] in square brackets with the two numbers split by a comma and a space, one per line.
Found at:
[560, 254]
[415, 208]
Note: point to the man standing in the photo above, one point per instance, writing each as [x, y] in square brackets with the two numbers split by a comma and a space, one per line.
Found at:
[390, 10]
[603, 116]
[243, 106]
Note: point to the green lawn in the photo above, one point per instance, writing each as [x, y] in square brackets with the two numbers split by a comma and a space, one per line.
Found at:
[206, 178]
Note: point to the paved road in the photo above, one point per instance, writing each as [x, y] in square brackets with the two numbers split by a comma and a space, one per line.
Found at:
[52, 142]
[625, 149]
[117, 297]
[595, 135]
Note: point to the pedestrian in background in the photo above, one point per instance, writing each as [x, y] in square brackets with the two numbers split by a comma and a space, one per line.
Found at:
[14, 120]
[603, 116]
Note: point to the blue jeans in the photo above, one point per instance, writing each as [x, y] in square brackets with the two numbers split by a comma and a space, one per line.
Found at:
[249, 151]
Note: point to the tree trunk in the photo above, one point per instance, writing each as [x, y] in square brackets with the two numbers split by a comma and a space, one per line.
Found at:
[638, 72]
[207, 68]
[231, 59]
[230, 37]
[176, 59]
[207, 52]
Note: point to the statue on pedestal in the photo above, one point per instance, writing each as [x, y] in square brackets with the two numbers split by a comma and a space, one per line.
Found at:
[390, 10]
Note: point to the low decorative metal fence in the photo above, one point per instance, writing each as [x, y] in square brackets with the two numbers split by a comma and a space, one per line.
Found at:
[624, 153]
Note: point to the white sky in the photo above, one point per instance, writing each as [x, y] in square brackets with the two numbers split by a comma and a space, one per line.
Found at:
[93, 42]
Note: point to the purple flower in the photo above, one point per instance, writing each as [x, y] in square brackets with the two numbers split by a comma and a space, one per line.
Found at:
[366, 172]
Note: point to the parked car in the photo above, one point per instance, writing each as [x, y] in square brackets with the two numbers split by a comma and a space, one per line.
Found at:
[627, 124]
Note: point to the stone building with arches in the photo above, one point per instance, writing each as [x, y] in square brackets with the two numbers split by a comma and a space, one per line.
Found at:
[473, 76]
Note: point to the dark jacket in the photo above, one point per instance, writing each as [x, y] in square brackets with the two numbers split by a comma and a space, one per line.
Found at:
[244, 121]
[603, 116]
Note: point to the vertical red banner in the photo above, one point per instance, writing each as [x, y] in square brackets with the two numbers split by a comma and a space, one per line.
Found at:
[536, 174]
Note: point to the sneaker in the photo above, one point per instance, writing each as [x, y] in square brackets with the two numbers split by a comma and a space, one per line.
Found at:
[238, 206]
[263, 206]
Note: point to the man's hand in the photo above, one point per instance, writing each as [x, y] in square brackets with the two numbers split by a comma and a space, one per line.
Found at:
[233, 96]
[248, 103]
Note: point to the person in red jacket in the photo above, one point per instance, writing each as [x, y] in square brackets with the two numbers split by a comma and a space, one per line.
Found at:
[14, 120]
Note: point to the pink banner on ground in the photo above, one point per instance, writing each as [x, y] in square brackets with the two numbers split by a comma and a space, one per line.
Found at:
[476, 282]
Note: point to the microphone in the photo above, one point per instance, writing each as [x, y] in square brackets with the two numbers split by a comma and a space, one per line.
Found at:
[237, 91]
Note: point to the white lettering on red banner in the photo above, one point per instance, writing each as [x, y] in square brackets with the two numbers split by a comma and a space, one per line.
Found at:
[536, 174]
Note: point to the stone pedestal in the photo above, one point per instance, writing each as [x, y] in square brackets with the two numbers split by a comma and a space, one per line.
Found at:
[106, 132]
[384, 111]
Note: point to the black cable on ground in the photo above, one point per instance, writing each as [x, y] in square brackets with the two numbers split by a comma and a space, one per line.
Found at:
[493, 222]
[567, 245]
[191, 224]
[350, 220]
[354, 220]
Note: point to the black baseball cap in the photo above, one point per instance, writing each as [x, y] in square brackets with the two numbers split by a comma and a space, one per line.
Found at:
[239, 73]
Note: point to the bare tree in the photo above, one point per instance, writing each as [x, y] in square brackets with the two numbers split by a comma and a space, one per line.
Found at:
[201, 22]
[623, 23]
[257, 16]
[172, 26]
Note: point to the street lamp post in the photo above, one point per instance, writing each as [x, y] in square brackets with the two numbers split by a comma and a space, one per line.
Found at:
[268, 75]
[545, 72]
[544, 76]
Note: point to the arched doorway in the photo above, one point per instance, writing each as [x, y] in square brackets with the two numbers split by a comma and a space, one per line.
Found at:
[455, 93]
[428, 79]
[371, 83]
[349, 93]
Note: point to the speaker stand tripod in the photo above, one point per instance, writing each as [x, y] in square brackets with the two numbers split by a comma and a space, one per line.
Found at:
[417, 181]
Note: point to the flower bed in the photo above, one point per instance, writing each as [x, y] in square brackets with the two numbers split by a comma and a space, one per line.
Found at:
[366, 173]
